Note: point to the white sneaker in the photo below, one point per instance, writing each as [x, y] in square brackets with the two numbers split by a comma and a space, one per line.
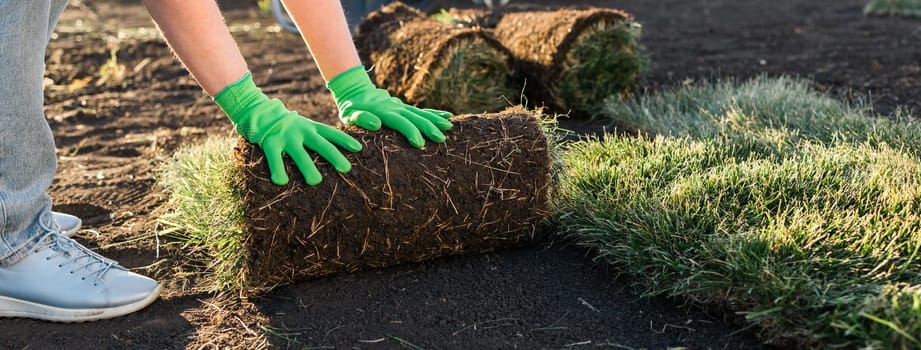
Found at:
[63, 281]
[68, 224]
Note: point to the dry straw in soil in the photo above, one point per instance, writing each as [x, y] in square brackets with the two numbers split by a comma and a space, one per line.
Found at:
[574, 59]
[484, 188]
[433, 64]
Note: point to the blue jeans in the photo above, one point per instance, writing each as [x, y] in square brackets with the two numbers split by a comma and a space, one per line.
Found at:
[356, 10]
[27, 154]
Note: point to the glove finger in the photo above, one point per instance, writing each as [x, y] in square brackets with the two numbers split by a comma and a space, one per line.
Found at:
[441, 123]
[329, 152]
[273, 154]
[363, 119]
[425, 126]
[305, 164]
[440, 113]
[339, 137]
[402, 125]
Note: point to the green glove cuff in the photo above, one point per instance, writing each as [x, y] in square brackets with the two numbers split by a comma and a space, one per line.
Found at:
[349, 83]
[237, 99]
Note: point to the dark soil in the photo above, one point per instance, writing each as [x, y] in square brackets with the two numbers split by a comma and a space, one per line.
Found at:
[112, 137]
[485, 188]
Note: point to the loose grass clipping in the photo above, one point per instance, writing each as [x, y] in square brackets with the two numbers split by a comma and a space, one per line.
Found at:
[903, 8]
[574, 59]
[485, 188]
[433, 64]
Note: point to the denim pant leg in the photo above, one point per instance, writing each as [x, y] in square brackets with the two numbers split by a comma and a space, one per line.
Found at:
[27, 153]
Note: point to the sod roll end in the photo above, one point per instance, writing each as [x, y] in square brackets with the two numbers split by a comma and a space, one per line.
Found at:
[485, 188]
[574, 59]
[433, 64]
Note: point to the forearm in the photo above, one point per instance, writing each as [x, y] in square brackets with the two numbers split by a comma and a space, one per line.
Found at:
[323, 26]
[196, 32]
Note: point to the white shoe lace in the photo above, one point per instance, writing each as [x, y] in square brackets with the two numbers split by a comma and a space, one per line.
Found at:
[80, 257]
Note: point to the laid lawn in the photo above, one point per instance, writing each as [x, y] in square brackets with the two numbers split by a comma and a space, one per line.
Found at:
[763, 198]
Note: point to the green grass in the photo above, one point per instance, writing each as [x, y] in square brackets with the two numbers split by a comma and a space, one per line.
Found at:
[906, 8]
[472, 78]
[205, 210]
[265, 6]
[445, 17]
[606, 60]
[765, 115]
[765, 199]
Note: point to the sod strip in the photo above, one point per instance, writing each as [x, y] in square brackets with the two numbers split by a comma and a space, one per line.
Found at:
[904, 8]
[574, 59]
[763, 198]
[435, 65]
[484, 188]
[762, 116]
[818, 250]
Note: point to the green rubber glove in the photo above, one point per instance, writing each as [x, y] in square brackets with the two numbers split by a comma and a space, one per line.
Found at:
[364, 105]
[279, 131]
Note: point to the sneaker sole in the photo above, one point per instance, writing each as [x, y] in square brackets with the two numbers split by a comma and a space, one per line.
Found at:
[12, 307]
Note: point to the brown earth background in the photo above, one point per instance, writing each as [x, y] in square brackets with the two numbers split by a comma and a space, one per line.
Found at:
[115, 124]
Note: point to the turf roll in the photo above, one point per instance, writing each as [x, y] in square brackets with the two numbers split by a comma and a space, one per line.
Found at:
[573, 59]
[434, 64]
[485, 188]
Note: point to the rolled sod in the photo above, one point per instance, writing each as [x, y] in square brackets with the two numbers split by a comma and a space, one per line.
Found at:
[574, 59]
[485, 188]
[435, 65]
